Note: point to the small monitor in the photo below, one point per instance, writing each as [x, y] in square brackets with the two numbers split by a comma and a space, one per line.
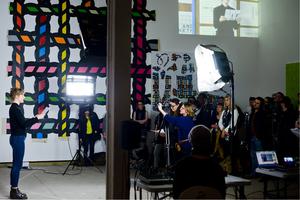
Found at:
[266, 158]
[80, 88]
[288, 161]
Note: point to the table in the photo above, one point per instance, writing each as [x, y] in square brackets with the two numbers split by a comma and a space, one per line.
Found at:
[278, 175]
[239, 185]
[231, 181]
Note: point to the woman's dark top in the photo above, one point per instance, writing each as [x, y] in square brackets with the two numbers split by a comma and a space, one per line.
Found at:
[18, 123]
[140, 114]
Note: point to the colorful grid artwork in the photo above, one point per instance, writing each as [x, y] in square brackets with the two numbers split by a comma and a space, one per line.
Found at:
[42, 67]
[141, 48]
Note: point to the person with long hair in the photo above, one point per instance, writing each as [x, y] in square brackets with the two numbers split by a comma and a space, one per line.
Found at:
[184, 123]
[175, 106]
[18, 125]
[218, 151]
[288, 143]
[227, 132]
[257, 132]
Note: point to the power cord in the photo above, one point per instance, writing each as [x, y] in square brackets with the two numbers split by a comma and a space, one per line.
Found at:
[51, 172]
[60, 173]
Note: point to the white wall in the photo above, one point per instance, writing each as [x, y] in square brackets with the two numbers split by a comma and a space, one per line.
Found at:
[259, 64]
[243, 52]
[278, 43]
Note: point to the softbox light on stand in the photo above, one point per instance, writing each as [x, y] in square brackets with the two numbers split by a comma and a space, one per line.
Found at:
[213, 68]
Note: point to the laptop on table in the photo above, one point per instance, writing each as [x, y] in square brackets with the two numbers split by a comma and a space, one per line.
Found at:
[269, 160]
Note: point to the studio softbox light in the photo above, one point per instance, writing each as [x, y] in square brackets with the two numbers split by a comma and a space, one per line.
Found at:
[213, 69]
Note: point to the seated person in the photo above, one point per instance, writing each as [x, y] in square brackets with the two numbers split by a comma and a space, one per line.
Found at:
[199, 169]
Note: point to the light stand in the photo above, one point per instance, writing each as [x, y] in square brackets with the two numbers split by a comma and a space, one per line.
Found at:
[214, 70]
[232, 109]
[77, 158]
[167, 142]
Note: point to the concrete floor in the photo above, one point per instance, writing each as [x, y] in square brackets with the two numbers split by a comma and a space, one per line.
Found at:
[89, 184]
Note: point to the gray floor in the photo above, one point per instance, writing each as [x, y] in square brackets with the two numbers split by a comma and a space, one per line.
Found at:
[89, 184]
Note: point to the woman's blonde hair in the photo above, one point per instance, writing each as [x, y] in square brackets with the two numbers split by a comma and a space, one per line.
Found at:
[15, 92]
[189, 109]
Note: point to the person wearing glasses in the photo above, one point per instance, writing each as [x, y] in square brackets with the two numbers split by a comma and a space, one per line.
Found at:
[175, 106]
[184, 124]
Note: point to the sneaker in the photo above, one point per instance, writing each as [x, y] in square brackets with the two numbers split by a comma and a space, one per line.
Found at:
[17, 194]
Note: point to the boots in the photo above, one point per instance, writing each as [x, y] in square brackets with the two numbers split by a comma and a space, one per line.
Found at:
[17, 194]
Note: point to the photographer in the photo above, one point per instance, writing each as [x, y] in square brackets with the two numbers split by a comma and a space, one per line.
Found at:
[185, 124]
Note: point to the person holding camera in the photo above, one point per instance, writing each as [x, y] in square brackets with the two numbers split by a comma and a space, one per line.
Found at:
[18, 125]
[184, 123]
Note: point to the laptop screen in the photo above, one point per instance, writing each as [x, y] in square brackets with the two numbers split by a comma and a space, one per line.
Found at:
[266, 158]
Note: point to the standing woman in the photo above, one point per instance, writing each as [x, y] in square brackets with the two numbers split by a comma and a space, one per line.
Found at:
[216, 133]
[18, 124]
[175, 106]
[184, 123]
[141, 115]
[227, 131]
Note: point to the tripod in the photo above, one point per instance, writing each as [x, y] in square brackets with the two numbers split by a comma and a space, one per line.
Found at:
[166, 144]
[77, 159]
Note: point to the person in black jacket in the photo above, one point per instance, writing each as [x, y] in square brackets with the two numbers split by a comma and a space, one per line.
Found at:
[223, 25]
[18, 125]
[257, 132]
[88, 131]
[199, 169]
[288, 143]
[203, 112]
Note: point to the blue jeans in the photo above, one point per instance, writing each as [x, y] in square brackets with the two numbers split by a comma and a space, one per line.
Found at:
[18, 148]
[255, 146]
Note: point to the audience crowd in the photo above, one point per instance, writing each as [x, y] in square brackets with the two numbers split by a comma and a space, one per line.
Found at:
[264, 125]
